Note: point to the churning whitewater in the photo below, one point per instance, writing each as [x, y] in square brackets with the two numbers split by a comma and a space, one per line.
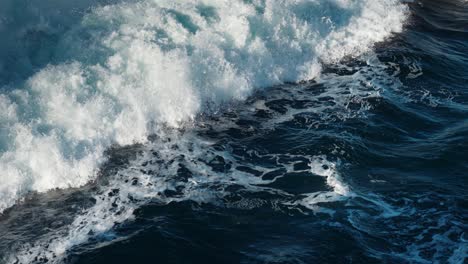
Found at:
[116, 73]
[242, 131]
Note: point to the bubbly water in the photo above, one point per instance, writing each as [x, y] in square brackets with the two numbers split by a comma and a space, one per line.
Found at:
[345, 120]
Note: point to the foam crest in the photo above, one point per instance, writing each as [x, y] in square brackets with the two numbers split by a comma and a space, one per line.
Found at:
[126, 69]
[322, 167]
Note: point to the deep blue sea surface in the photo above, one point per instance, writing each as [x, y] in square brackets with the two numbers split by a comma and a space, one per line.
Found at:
[241, 131]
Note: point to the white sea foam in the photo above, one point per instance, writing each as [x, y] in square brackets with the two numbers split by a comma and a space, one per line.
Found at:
[133, 187]
[339, 189]
[127, 68]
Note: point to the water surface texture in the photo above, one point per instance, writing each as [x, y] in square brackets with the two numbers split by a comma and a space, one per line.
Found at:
[241, 131]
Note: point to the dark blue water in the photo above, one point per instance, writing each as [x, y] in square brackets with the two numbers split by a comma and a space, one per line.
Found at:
[366, 165]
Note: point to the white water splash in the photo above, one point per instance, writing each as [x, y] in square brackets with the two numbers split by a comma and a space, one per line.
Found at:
[124, 68]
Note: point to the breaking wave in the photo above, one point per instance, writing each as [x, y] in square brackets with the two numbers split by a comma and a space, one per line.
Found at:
[115, 73]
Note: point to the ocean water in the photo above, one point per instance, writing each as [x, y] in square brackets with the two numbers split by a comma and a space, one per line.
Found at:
[241, 131]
